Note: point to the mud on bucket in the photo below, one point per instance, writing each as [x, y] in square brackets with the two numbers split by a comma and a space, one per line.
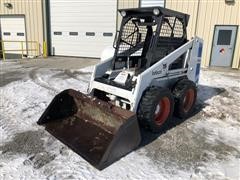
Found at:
[96, 130]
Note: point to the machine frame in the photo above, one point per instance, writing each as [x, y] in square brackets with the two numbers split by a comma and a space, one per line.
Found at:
[158, 74]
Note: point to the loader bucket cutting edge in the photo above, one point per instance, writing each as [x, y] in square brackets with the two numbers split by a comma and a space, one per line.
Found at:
[96, 130]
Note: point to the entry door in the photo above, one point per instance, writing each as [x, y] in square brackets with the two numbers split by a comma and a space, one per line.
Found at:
[223, 45]
[13, 29]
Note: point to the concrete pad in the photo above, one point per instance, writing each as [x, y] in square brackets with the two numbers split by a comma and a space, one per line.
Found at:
[56, 62]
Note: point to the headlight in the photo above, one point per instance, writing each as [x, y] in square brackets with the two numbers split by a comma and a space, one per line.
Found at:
[123, 13]
[156, 11]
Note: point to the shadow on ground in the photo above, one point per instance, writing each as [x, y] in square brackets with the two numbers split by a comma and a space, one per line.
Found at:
[31, 144]
[9, 77]
[204, 93]
[28, 142]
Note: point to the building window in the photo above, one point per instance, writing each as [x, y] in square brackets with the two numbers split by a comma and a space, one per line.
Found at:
[224, 37]
[20, 34]
[7, 34]
[107, 34]
[57, 33]
[90, 33]
[73, 33]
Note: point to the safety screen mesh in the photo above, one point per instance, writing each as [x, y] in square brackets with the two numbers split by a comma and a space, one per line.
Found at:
[132, 36]
[169, 24]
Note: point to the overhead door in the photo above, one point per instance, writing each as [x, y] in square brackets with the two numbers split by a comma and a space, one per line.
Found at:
[82, 28]
[151, 3]
[13, 34]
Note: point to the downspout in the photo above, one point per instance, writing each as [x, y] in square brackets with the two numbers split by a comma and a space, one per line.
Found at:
[47, 26]
[45, 36]
[197, 17]
[1, 52]
[117, 18]
[139, 3]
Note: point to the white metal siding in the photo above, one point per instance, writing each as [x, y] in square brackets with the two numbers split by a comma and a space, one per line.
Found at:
[13, 29]
[92, 17]
[150, 3]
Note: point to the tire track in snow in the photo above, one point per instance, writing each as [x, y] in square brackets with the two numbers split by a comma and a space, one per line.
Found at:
[75, 75]
[37, 80]
[50, 83]
[9, 128]
[3, 135]
[20, 120]
[20, 107]
[61, 171]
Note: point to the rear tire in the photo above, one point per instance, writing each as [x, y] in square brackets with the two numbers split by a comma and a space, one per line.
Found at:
[185, 94]
[156, 109]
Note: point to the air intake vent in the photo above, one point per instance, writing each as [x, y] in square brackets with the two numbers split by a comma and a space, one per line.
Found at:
[229, 1]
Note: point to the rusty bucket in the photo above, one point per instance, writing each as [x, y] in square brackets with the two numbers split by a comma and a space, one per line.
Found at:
[96, 130]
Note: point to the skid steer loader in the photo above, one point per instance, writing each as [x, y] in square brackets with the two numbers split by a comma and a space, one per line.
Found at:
[152, 74]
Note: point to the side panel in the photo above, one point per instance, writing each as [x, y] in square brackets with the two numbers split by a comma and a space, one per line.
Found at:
[98, 71]
[194, 64]
[159, 72]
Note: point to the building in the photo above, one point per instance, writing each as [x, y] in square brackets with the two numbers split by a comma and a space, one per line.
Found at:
[83, 28]
[21, 20]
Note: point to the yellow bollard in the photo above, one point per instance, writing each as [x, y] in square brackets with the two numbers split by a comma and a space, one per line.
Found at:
[45, 49]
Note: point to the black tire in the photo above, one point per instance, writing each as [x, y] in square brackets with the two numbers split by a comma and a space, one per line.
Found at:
[148, 116]
[185, 95]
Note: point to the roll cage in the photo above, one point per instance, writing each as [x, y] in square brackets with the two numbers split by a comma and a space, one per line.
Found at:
[145, 37]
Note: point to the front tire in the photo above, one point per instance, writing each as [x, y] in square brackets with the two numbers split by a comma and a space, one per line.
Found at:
[156, 109]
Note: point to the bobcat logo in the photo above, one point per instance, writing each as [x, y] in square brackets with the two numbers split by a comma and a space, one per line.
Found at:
[157, 72]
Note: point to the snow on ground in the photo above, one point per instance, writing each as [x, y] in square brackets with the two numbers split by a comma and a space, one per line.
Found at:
[206, 146]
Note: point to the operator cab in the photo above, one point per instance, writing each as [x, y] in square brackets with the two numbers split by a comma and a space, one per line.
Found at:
[146, 36]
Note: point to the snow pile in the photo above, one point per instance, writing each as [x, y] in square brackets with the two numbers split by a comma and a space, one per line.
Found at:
[227, 132]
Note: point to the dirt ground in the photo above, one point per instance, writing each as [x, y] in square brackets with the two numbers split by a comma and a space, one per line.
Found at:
[205, 146]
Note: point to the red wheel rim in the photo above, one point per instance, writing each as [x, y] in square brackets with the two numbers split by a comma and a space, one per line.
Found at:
[188, 100]
[162, 111]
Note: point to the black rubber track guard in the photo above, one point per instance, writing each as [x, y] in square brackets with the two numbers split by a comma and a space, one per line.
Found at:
[96, 130]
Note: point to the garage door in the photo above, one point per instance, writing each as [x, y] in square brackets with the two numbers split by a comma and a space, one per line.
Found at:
[150, 3]
[82, 28]
[13, 29]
